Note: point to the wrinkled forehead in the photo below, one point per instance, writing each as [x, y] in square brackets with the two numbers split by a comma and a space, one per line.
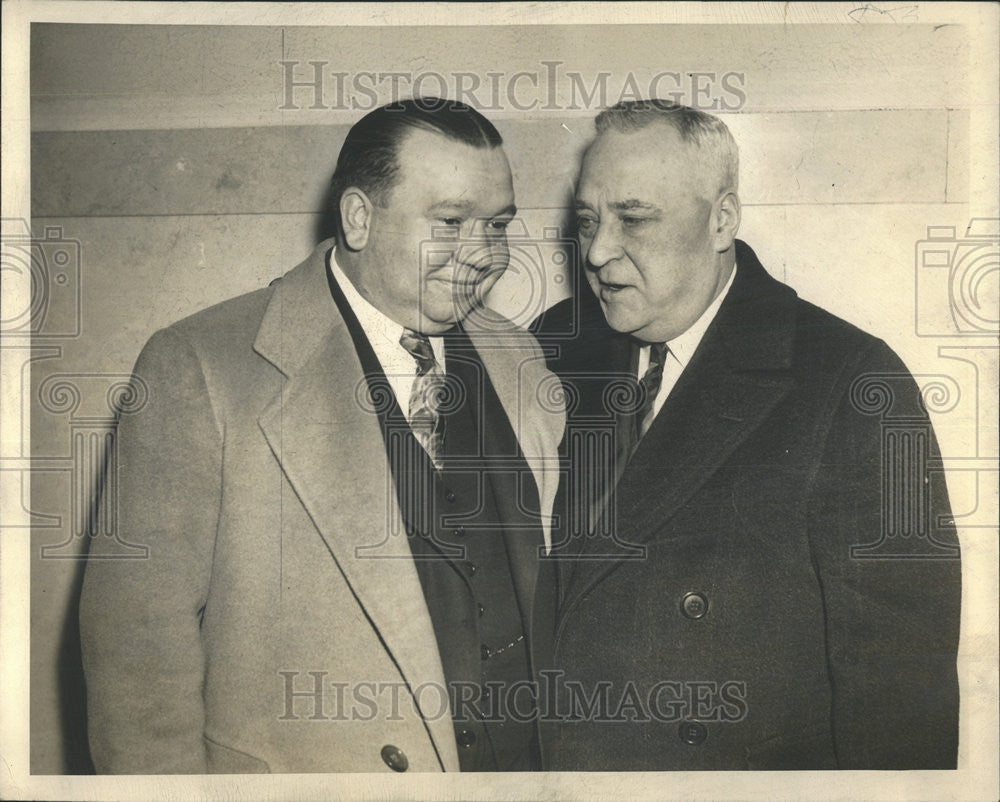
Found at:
[648, 163]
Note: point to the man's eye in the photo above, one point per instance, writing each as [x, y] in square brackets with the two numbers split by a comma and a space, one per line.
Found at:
[585, 225]
[633, 221]
[499, 225]
[451, 221]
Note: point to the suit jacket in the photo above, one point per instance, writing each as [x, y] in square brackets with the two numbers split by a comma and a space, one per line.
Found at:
[278, 623]
[795, 604]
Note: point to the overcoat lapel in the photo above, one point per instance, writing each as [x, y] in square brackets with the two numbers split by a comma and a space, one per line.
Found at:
[514, 495]
[738, 374]
[519, 378]
[331, 450]
[512, 491]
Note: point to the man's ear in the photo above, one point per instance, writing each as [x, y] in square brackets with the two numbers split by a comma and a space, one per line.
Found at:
[725, 220]
[355, 217]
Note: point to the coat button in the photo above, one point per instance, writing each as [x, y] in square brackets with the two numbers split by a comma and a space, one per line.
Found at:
[459, 531]
[484, 651]
[466, 739]
[693, 732]
[481, 609]
[450, 495]
[470, 567]
[694, 605]
[394, 758]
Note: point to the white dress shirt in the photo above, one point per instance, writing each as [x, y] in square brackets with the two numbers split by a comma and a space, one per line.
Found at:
[383, 334]
[682, 348]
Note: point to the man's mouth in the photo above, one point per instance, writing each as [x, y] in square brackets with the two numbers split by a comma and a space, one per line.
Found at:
[610, 288]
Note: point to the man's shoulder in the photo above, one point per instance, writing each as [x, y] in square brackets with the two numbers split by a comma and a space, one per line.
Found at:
[225, 327]
[820, 329]
[828, 344]
[233, 324]
[822, 339]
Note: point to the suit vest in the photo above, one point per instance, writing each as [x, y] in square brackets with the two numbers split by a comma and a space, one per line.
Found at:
[470, 571]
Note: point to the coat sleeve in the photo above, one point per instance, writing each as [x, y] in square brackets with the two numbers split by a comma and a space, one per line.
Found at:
[886, 552]
[140, 617]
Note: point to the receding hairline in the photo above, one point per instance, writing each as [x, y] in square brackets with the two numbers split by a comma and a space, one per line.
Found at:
[369, 156]
[705, 133]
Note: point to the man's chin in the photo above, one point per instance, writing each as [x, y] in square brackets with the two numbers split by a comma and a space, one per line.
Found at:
[444, 319]
[617, 320]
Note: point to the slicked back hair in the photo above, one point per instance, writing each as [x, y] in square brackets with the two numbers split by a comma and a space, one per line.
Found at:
[369, 156]
[705, 131]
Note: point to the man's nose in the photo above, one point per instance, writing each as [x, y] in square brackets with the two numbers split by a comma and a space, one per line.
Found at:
[604, 247]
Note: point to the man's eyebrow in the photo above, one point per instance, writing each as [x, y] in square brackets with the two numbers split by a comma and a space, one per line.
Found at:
[631, 204]
[457, 203]
[466, 206]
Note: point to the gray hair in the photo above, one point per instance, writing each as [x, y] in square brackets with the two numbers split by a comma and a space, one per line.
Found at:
[706, 132]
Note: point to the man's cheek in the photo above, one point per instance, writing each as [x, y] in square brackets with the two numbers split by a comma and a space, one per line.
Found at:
[487, 284]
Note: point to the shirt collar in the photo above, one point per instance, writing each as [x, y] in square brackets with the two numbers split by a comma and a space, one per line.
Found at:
[382, 331]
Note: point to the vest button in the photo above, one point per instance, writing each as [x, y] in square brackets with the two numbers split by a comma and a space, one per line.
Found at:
[459, 532]
[484, 651]
[450, 495]
[694, 605]
[466, 739]
[481, 609]
[470, 567]
[394, 758]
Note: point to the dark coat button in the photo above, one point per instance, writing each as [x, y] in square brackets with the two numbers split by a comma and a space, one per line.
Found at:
[694, 605]
[394, 758]
[484, 651]
[693, 732]
[481, 609]
[470, 567]
[459, 531]
[466, 739]
[450, 495]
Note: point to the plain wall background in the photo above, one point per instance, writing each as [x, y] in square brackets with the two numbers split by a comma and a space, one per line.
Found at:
[164, 151]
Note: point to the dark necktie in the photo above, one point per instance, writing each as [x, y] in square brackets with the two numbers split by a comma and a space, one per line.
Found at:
[425, 395]
[650, 388]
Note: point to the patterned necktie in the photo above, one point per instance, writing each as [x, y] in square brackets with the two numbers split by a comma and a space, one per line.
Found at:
[650, 383]
[425, 396]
